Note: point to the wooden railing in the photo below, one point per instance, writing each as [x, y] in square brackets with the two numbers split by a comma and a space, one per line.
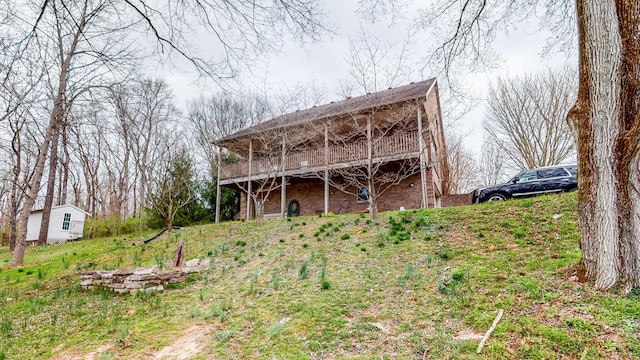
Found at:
[314, 158]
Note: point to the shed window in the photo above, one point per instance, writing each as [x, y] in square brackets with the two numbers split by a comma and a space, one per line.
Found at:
[66, 221]
[363, 194]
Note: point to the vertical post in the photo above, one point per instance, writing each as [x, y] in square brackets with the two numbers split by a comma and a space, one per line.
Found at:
[218, 189]
[373, 196]
[326, 169]
[249, 189]
[283, 189]
[423, 170]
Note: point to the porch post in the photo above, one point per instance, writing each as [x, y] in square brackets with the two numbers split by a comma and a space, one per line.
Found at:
[249, 189]
[326, 169]
[423, 169]
[283, 189]
[218, 194]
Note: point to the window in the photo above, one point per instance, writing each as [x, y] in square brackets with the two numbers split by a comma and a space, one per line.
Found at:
[66, 221]
[363, 194]
[527, 176]
[551, 173]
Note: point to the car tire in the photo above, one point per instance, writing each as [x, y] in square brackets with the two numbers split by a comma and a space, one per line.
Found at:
[496, 197]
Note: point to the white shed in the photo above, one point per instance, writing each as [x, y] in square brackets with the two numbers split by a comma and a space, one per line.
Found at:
[66, 223]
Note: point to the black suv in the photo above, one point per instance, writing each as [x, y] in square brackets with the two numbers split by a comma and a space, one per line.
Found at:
[530, 183]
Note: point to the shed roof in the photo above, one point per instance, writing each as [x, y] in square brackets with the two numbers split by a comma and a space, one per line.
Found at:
[339, 108]
[62, 206]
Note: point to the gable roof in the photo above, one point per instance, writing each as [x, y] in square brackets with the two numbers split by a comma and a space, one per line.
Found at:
[339, 108]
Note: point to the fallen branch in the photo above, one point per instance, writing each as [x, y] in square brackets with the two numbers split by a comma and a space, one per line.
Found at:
[493, 326]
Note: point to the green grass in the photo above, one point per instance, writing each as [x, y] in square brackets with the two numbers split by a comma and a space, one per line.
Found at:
[423, 276]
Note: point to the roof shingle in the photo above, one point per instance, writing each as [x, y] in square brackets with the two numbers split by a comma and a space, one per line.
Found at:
[339, 108]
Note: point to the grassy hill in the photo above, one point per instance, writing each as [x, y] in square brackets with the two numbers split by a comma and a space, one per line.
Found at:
[420, 284]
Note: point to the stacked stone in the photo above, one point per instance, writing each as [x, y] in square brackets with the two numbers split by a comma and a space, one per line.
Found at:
[131, 281]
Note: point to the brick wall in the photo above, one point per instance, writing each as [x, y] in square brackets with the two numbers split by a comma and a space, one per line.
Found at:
[310, 196]
[456, 199]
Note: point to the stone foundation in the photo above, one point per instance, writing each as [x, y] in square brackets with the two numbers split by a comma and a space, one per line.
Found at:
[134, 280]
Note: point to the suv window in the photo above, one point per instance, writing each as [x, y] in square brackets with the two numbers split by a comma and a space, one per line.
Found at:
[527, 176]
[573, 170]
[551, 173]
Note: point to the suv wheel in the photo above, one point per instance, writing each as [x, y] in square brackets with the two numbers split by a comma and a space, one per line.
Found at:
[496, 197]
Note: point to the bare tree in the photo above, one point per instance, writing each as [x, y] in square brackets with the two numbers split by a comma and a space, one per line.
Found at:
[92, 40]
[526, 118]
[173, 184]
[377, 167]
[492, 164]
[463, 170]
[221, 115]
[375, 65]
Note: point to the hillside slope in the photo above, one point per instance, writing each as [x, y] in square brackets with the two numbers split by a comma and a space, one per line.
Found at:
[420, 284]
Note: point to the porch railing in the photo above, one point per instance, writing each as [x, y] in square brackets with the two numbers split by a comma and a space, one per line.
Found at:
[388, 146]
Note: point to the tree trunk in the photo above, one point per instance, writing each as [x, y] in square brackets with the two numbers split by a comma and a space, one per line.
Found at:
[21, 241]
[606, 120]
[51, 186]
[64, 185]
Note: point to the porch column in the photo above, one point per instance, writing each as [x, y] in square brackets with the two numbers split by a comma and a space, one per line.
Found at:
[423, 168]
[283, 189]
[249, 190]
[218, 194]
[326, 169]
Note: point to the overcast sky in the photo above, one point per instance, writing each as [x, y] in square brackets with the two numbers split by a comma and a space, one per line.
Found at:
[325, 62]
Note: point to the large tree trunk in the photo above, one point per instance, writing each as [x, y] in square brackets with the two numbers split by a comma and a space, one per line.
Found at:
[21, 241]
[51, 185]
[607, 123]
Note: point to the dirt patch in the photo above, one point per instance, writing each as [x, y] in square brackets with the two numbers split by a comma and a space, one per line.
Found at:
[94, 355]
[188, 345]
[467, 334]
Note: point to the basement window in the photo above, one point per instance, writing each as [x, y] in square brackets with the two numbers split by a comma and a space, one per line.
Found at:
[362, 195]
[66, 221]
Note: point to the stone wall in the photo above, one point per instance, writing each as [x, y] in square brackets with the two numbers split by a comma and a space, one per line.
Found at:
[145, 279]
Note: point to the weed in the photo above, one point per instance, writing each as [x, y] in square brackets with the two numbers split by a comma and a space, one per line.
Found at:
[241, 243]
[301, 235]
[225, 335]
[281, 240]
[275, 330]
[345, 236]
[325, 285]
[161, 260]
[363, 249]
[137, 259]
[519, 233]
[408, 273]
[275, 280]
[42, 273]
[304, 245]
[380, 244]
[302, 273]
[6, 326]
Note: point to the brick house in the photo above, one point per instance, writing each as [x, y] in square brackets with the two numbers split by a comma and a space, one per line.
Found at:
[383, 149]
